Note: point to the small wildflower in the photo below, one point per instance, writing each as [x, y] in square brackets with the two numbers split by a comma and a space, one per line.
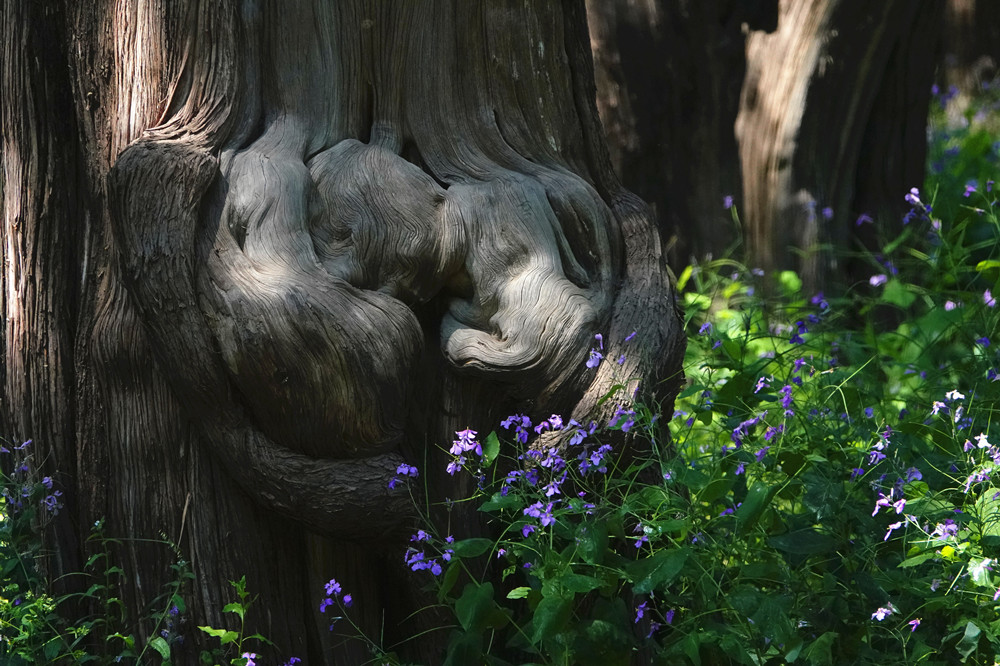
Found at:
[950, 305]
[914, 624]
[984, 341]
[989, 300]
[705, 328]
[249, 656]
[881, 613]
[727, 201]
[892, 527]
[878, 280]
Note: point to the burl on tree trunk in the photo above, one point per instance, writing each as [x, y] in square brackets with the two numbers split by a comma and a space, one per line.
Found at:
[344, 231]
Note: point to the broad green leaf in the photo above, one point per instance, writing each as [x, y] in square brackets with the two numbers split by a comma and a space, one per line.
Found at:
[550, 617]
[224, 635]
[472, 547]
[499, 502]
[491, 448]
[759, 495]
[161, 646]
[235, 607]
[970, 640]
[918, 559]
[579, 583]
[448, 580]
[473, 607]
[819, 651]
[657, 570]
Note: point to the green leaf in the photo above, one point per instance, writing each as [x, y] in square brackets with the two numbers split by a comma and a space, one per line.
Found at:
[473, 607]
[519, 593]
[579, 583]
[803, 542]
[715, 489]
[918, 559]
[759, 496]
[658, 570]
[819, 652]
[472, 547]
[970, 641]
[224, 635]
[987, 264]
[499, 502]
[896, 293]
[160, 646]
[448, 580]
[592, 542]
[551, 615]
[491, 448]
[235, 607]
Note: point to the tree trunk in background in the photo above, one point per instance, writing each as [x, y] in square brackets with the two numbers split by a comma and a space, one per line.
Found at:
[255, 254]
[971, 46]
[668, 79]
[832, 125]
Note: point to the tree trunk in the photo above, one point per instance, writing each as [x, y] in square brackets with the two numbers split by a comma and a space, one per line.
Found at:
[832, 126]
[256, 254]
[668, 86]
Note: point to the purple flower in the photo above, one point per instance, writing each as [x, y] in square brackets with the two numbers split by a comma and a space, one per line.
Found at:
[969, 189]
[740, 467]
[640, 610]
[914, 624]
[668, 617]
[348, 600]
[727, 201]
[466, 442]
[950, 305]
[864, 218]
[856, 472]
[527, 529]
[292, 661]
[595, 358]
[827, 213]
[763, 452]
[455, 465]
[326, 603]
[984, 341]
[878, 280]
[705, 328]
[893, 526]
[989, 300]
[882, 612]
[249, 656]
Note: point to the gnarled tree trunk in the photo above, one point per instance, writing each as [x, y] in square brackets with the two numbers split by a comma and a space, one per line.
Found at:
[256, 254]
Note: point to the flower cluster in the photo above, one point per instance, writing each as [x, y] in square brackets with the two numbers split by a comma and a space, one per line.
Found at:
[334, 595]
[417, 559]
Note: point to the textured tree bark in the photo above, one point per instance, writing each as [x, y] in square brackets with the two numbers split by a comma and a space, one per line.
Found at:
[668, 76]
[256, 254]
[833, 116]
